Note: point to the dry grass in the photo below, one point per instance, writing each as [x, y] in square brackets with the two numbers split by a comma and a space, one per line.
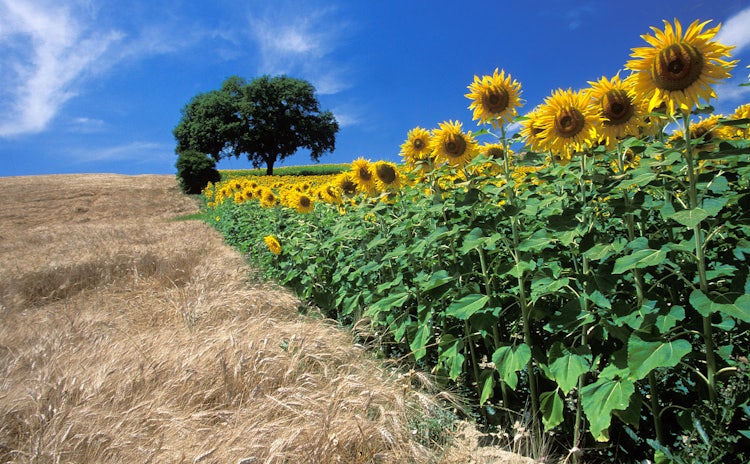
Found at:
[130, 337]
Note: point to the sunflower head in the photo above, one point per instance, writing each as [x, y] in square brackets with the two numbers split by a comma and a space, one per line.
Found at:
[621, 113]
[267, 197]
[415, 150]
[453, 146]
[273, 244]
[679, 69]
[303, 202]
[532, 130]
[346, 183]
[569, 123]
[387, 176]
[363, 175]
[494, 98]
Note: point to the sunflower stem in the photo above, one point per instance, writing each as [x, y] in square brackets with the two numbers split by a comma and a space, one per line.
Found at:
[708, 338]
[525, 310]
[640, 299]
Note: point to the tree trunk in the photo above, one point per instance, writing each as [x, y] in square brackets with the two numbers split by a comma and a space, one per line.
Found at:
[269, 165]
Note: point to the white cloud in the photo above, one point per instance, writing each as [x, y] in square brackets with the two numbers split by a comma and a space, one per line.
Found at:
[54, 52]
[129, 151]
[736, 31]
[300, 44]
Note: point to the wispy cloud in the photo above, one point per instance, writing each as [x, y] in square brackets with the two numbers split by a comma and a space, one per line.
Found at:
[47, 52]
[735, 31]
[128, 151]
[301, 43]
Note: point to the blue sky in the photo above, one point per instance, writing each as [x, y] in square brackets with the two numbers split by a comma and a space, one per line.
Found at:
[97, 86]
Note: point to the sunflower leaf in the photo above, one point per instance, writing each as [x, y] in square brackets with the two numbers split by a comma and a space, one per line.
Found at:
[465, 307]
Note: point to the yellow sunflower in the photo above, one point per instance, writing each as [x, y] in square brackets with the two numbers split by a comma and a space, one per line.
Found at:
[494, 98]
[569, 123]
[451, 145]
[363, 175]
[387, 176]
[346, 183]
[415, 150]
[273, 244]
[302, 202]
[742, 112]
[267, 197]
[531, 130]
[679, 69]
[621, 113]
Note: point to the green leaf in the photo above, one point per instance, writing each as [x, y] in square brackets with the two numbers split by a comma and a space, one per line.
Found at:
[488, 385]
[643, 356]
[599, 300]
[451, 355]
[552, 405]
[464, 308]
[539, 241]
[509, 360]
[421, 338]
[437, 279]
[387, 303]
[639, 259]
[567, 367]
[474, 239]
[740, 309]
[668, 321]
[521, 267]
[712, 206]
[690, 217]
[602, 397]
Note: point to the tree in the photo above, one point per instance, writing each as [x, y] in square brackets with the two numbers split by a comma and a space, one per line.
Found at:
[268, 119]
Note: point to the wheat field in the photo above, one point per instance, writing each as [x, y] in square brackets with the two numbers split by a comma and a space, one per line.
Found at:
[130, 336]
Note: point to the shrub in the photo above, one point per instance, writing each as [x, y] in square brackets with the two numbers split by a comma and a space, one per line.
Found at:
[195, 170]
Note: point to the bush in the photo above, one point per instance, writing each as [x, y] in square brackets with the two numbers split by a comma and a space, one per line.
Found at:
[195, 170]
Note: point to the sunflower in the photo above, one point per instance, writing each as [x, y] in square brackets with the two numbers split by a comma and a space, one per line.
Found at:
[346, 182]
[568, 122]
[302, 202]
[331, 193]
[629, 161]
[531, 130]
[273, 244]
[387, 176]
[267, 197]
[415, 150]
[451, 145]
[494, 98]
[621, 113]
[679, 69]
[363, 175]
[742, 112]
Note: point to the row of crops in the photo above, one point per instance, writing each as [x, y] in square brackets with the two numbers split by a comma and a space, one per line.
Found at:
[587, 266]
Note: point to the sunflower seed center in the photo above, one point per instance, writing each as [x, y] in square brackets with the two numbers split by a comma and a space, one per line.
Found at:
[495, 100]
[569, 122]
[455, 147]
[677, 67]
[386, 173]
[617, 107]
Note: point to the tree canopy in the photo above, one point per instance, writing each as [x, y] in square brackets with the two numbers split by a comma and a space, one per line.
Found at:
[267, 119]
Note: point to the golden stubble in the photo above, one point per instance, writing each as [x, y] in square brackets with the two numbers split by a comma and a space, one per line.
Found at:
[128, 336]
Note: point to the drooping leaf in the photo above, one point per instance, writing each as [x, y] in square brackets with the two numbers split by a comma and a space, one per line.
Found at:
[552, 405]
[508, 360]
[639, 259]
[437, 279]
[602, 397]
[644, 356]
[451, 355]
[567, 367]
[740, 309]
[690, 217]
[487, 379]
[463, 308]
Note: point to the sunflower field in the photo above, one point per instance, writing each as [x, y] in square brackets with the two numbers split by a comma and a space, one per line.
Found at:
[586, 266]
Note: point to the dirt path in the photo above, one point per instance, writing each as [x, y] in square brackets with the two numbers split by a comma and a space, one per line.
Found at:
[129, 336]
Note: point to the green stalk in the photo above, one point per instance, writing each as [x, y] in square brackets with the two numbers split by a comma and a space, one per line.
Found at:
[708, 338]
[640, 298]
[495, 330]
[522, 299]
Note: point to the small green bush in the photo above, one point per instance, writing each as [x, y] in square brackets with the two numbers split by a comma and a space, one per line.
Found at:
[195, 170]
